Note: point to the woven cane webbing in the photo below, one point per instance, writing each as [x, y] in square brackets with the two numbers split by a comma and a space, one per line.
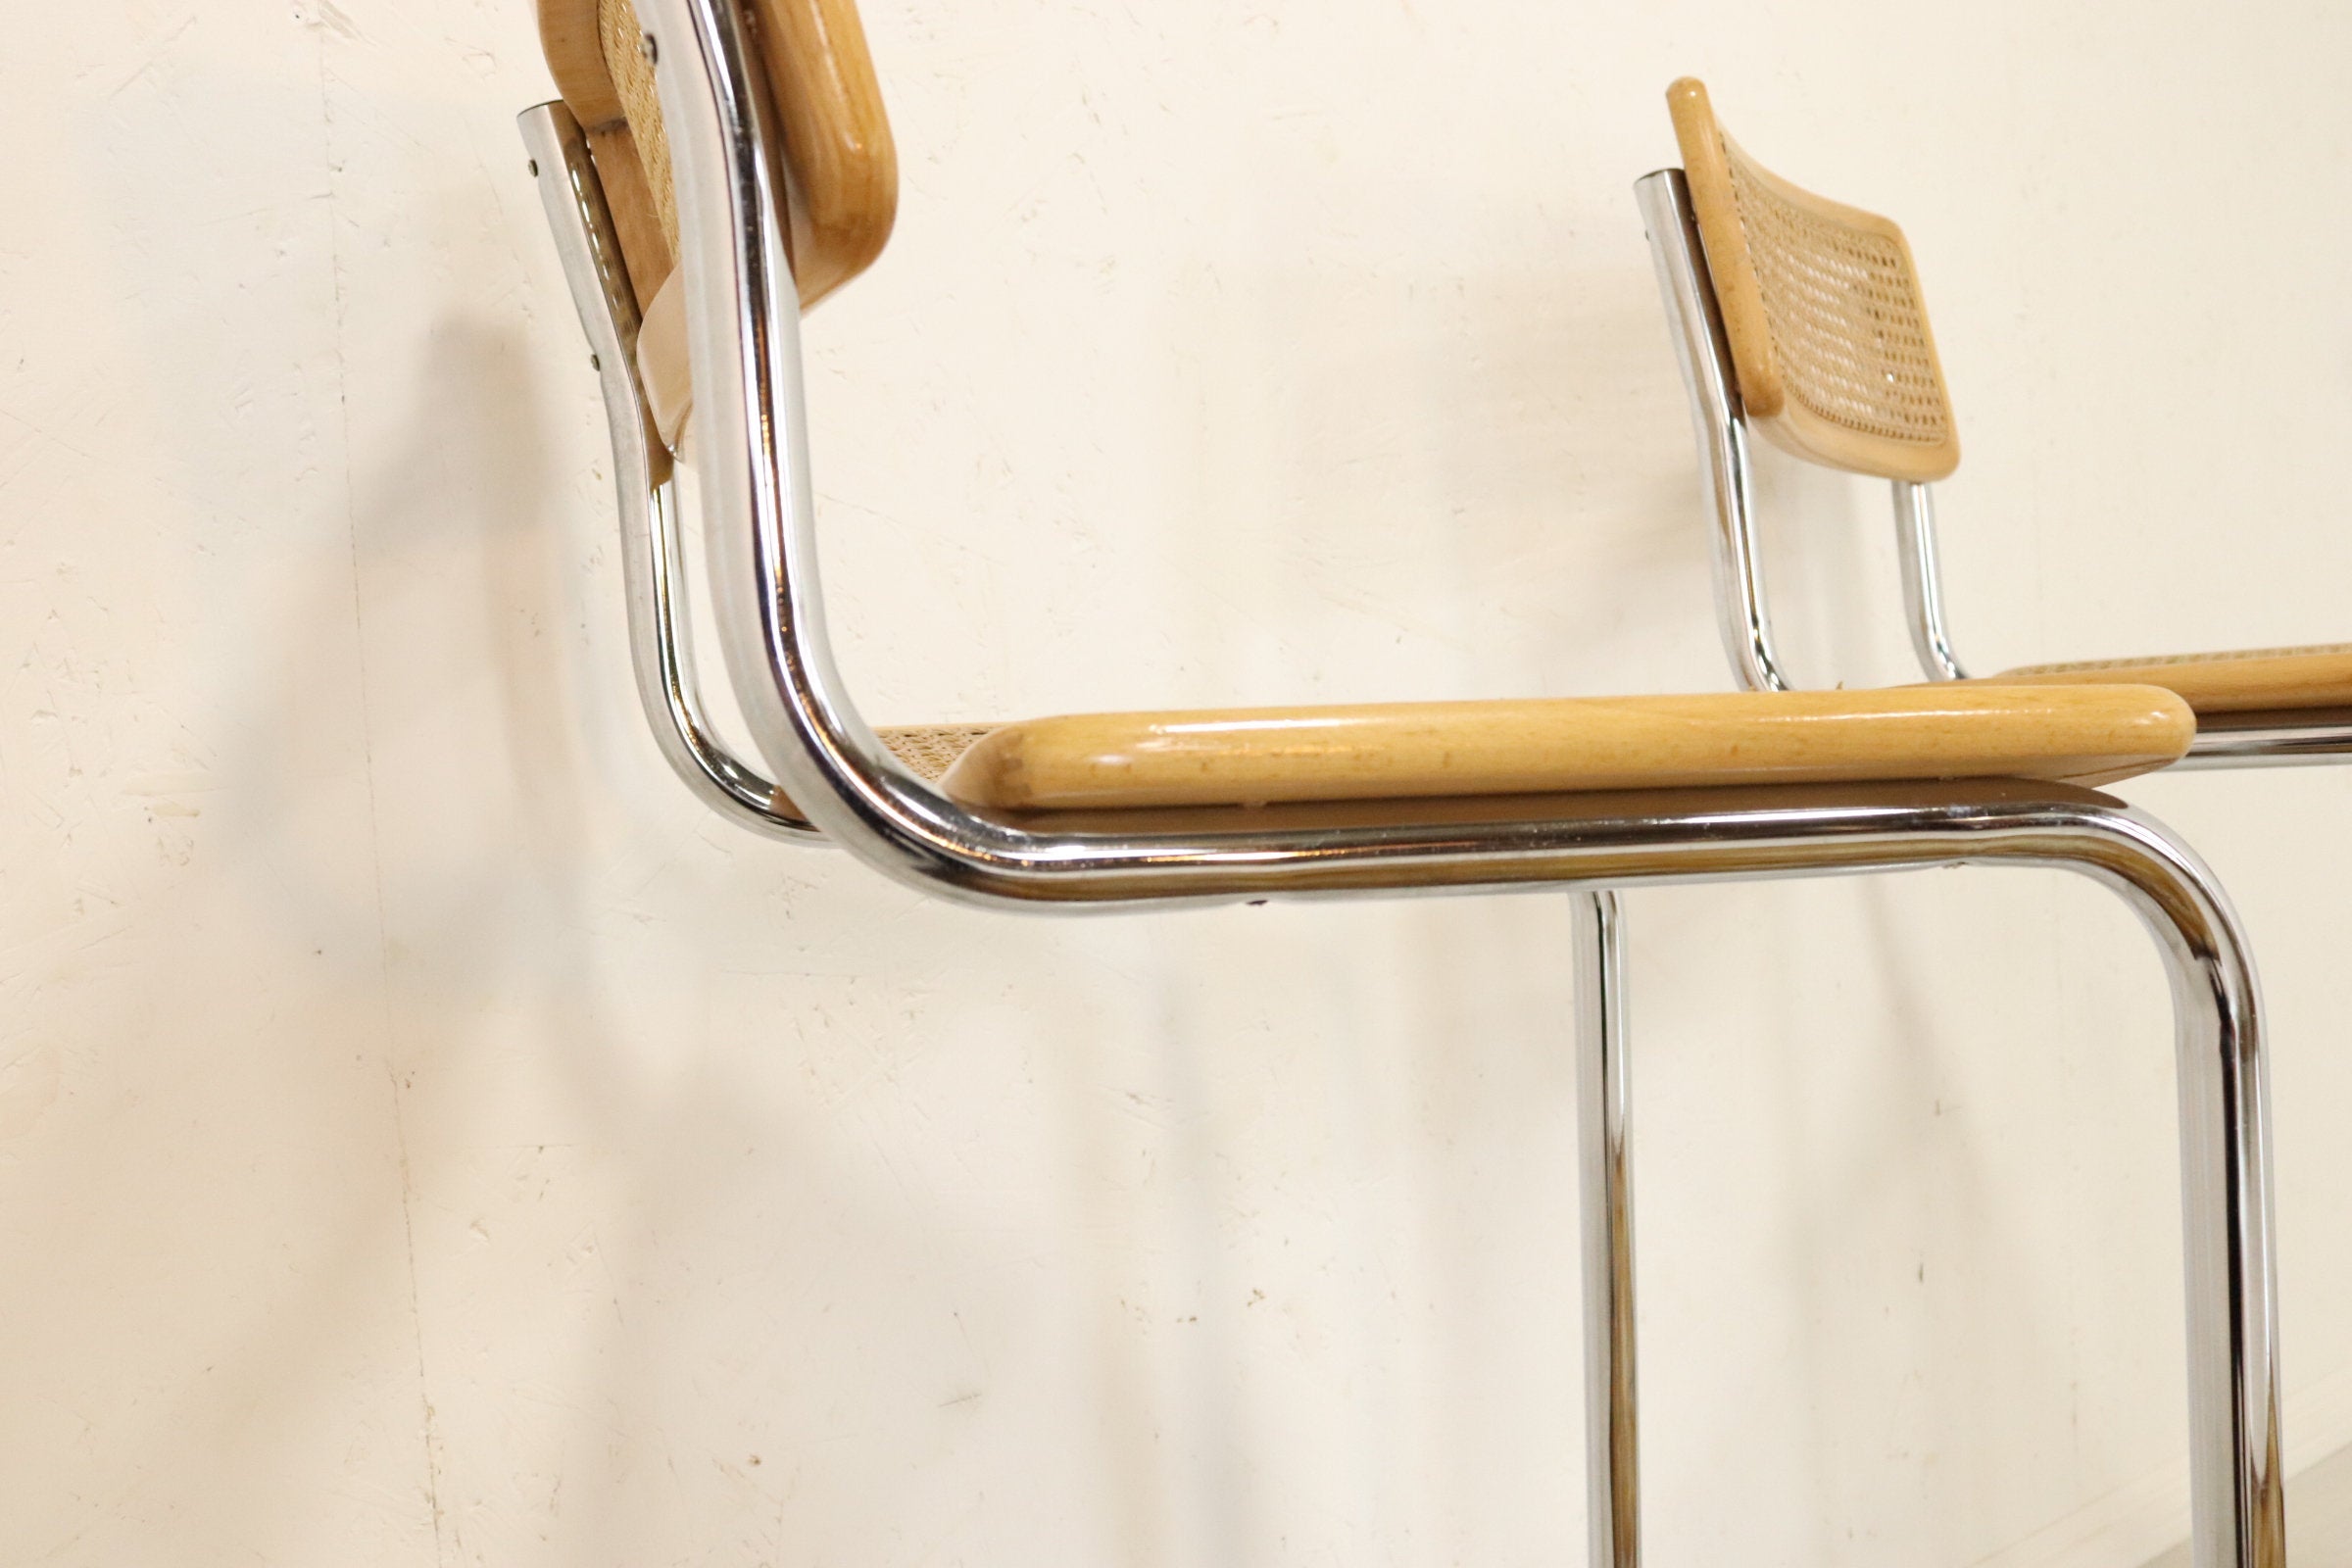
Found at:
[1843, 310]
[927, 750]
[622, 39]
[2156, 661]
[1820, 306]
[930, 750]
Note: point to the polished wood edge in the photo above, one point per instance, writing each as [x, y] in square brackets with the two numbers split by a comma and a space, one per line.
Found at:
[2257, 680]
[1286, 754]
[1739, 292]
[844, 160]
[636, 215]
[840, 160]
[575, 58]
[1798, 431]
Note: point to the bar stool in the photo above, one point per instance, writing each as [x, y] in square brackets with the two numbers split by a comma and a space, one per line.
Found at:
[1803, 319]
[722, 163]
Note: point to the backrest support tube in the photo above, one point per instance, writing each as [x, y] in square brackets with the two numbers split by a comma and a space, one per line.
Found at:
[1923, 585]
[1704, 354]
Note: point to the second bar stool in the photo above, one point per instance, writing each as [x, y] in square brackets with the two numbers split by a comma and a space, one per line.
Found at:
[1802, 319]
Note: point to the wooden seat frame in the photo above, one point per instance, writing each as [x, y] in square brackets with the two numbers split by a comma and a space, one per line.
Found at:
[742, 305]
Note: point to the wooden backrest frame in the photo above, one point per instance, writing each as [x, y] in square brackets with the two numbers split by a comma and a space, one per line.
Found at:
[1821, 302]
[842, 167]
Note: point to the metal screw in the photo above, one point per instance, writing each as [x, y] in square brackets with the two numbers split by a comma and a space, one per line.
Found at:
[653, 50]
[534, 169]
[595, 363]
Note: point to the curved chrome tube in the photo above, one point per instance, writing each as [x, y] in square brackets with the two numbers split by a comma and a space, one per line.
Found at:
[651, 558]
[1700, 349]
[1923, 582]
[2237, 1486]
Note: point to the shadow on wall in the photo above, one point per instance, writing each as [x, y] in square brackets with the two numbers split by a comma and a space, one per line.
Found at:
[1373, 464]
[437, 891]
[229, 1301]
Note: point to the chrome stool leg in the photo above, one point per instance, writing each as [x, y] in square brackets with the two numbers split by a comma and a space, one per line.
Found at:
[2236, 1477]
[1612, 1470]
[2226, 1220]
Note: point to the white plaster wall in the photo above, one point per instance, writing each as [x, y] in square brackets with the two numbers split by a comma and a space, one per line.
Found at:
[426, 1137]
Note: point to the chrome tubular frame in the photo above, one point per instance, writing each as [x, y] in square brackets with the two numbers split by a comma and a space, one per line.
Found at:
[1923, 582]
[1604, 1106]
[2284, 739]
[651, 555]
[2269, 739]
[1743, 613]
[743, 325]
[2236, 1481]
